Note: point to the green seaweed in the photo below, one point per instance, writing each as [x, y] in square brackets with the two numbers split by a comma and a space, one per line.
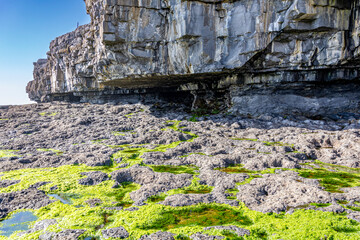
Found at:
[47, 114]
[194, 188]
[175, 169]
[58, 152]
[201, 215]
[8, 153]
[232, 192]
[133, 154]
[4, 119]
[320, 205]
[332, 177]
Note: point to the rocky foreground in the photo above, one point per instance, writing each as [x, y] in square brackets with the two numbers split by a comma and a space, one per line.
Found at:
[81, 171]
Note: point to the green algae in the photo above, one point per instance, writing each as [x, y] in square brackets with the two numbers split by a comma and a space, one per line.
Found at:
[132, 154]
[47, 114]
[8, 153]
[58, 152]
[75, 213]
[246, 139]
[194, 188]
[332, 177]
[201, 215]
[4, 119]
[320, 205]
[175, 169]
[183, 221]
[232, 192]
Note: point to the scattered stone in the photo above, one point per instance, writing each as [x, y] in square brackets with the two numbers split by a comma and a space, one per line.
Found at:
[118, 232]
[131, 209]
[31, 198]
[39, 184]
[200, 236]
[93, 178]
[69, 234]
[158, 236]
[94, 202]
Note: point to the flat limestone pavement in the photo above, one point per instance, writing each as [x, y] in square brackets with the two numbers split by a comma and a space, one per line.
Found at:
[157, 172]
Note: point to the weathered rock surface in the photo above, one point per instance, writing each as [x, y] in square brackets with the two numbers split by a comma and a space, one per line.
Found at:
[222, 140]
[159, 236]
[93, 178]
[263, 56]
[25, 199]
[119, 232]
[151, 182]
[69, 234]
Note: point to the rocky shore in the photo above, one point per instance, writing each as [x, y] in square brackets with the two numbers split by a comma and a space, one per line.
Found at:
[156, 171]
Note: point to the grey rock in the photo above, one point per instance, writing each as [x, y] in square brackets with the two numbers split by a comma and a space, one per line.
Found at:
[152, 182]
[25, 199]
[7, 183]
[131, 209]
[158, 236]
[93, 178]
[69, 234]
[118, 232]
[94, 202]
[201, 236]
[39, 184]
[280, 192]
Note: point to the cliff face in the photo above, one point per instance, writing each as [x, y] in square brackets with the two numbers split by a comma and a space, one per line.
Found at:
[148, 44]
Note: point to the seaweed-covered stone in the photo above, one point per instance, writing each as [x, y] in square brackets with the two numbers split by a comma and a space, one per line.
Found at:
[237, 230]
[94, 202]
[93, 178]
[39, 184]
[152, 182]
[118, 232]
[159, 236]
[178, 200]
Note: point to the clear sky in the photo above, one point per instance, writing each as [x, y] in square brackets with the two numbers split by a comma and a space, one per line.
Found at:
[26, 30]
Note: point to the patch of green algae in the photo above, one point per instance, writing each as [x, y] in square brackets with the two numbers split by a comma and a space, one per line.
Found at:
[58, 152]
[150, 218]
[8, 153]
[4, 119]
[332, 177]
[48, 114]
[194, 188]
[182, 221]
[132, 154]
[175, 169]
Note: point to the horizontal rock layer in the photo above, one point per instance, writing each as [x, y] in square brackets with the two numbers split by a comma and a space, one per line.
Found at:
[147, 45]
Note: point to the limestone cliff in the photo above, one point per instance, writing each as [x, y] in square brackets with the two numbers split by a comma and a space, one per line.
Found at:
[142, 45]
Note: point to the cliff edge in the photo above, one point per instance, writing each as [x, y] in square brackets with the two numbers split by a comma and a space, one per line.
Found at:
[243, 51]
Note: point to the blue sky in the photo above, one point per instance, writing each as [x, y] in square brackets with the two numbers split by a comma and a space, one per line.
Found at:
[26, 30]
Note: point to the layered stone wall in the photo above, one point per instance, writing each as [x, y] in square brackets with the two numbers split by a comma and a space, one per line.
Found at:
[193, 45]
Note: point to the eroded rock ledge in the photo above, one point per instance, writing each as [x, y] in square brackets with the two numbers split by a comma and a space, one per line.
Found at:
[156, 48]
